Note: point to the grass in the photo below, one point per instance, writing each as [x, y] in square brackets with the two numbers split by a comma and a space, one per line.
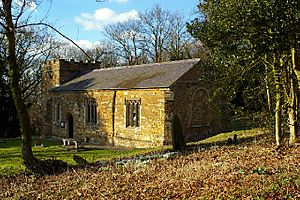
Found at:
[241, 134]
[251, 169]
[11, 161]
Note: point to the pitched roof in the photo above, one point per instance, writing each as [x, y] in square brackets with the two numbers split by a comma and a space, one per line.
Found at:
[157, 75]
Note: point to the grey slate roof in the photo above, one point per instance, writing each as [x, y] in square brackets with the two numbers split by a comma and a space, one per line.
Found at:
[157, 75]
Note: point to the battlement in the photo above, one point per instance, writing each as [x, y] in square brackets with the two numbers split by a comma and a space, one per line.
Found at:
[58, 71]
[71, 61]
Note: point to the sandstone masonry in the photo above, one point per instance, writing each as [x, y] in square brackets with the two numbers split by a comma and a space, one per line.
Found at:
[125, 106]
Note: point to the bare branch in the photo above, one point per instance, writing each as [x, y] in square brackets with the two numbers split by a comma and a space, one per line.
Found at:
[57, 31]
[3, 25]
[21, 12]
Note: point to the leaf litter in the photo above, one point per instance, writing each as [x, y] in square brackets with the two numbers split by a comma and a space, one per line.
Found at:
[244, 171]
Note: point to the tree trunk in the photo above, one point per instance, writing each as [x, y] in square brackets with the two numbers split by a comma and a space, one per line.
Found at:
[293, 100]
[26, 130]
[279, 101]
[295, 63]
[14, 78]
[278, 115]
[268, 90]
[293, 121]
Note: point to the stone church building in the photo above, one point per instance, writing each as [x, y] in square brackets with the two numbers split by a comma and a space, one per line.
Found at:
[129, 106]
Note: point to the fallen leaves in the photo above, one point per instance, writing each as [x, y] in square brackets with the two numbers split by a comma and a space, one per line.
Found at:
[255, 171]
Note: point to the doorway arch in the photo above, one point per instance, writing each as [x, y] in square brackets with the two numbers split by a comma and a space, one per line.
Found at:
[70, 126]
[199, 109]
[199, 120]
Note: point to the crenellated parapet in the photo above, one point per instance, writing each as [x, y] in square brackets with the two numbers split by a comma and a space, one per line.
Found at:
[59, 71]
[71, 61]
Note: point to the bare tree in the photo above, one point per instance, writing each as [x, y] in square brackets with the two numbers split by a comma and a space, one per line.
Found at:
[9, 22]
[157, 35]
[128, 40]
[23, 51]
[103, 53]
[179, 41]
[157, 28]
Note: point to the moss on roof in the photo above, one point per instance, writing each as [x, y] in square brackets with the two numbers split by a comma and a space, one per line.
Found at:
[157, 75]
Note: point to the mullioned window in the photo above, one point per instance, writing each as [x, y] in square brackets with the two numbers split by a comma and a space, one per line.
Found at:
[91, 111]
[133, 113]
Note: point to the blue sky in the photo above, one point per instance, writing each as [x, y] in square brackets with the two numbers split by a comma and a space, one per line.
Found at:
[82, 20]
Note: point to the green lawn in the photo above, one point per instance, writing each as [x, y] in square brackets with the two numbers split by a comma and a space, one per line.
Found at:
[241, 135]
[11, 161]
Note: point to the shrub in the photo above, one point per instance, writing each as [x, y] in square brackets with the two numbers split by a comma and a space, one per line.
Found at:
[178, 141]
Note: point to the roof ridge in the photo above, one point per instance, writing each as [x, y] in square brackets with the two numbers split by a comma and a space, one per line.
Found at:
[148, 64]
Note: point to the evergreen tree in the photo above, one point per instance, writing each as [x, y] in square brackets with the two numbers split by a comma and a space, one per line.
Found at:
[261, 35]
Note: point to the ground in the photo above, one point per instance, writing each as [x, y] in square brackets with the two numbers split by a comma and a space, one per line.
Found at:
[252, 169]
[11, 161]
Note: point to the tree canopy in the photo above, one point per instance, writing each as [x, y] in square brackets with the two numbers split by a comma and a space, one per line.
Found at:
[254, 40]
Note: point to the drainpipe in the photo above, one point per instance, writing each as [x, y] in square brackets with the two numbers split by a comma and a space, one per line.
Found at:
[113, 116]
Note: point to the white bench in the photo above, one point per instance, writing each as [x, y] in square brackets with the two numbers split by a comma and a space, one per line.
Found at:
[69, 141]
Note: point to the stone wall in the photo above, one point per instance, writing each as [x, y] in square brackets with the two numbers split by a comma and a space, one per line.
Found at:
[150, 133]
[169, 112]
[73, 104]
[195, 124]
[187, 98]
[55, 73]
[201, 114]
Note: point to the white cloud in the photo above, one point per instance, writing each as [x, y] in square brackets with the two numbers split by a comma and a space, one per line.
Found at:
[103, 17]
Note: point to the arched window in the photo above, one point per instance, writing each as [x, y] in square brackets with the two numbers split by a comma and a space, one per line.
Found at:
[57, 111]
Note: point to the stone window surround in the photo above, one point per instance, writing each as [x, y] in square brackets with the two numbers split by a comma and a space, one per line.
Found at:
[91, 113]
[132, 113]
[57, 111]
